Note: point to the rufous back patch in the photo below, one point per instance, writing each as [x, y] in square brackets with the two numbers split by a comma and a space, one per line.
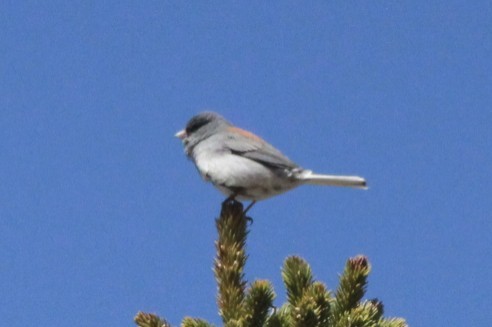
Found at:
[245, 133]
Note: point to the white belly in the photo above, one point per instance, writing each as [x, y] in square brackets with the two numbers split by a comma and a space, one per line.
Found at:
[228, 171]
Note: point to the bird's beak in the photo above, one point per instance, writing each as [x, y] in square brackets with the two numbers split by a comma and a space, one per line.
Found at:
[181, 134]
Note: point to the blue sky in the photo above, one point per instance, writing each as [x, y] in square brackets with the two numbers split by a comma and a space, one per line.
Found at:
[102, 215]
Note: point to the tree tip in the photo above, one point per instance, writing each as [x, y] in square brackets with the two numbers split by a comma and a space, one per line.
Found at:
[231, 207]
[359, 262]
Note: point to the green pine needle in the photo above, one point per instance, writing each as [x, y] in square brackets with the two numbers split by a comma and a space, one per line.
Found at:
[353, 282]
[393, 322]
[150, 320]
[258, 302]
[309, 303]
[194, 322]
[297, 277]
[280, 317]
[230, 261]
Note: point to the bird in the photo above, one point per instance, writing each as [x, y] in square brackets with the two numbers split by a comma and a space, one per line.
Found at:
[242, 165]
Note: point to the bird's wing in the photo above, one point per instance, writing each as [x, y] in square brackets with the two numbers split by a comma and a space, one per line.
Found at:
[248, 145]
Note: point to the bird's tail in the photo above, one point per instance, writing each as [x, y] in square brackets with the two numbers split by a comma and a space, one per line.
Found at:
[309, 177]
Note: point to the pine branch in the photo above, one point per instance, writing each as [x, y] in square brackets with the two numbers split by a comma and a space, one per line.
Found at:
[194, 322]
[365, 315]
[280, 317]
[305, 313]
[393, 322]
[297, 277]
[309, 303]
[258, 302]
[322, 298]
[352, 286]
[379, 307]
[230, 261]
[150, 320]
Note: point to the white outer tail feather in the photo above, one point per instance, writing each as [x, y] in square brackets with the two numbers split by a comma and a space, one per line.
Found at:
[333, 180]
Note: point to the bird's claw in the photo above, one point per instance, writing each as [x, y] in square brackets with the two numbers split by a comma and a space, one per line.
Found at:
[249, 220]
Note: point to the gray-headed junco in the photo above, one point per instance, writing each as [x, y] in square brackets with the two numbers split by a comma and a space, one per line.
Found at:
[242, 165]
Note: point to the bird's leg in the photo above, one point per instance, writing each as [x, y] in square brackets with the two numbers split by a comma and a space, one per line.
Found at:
[249, 207]
[231, 197]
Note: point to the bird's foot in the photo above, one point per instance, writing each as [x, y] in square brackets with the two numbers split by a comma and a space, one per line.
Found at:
[249, 207]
